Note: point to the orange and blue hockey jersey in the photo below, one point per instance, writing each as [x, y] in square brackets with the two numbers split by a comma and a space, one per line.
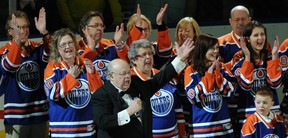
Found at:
[22, 74]
[250, 79]
[283, 55]
[163, 46]
[259, 126]
[229, 45]
[210, 117]
[104, 52]
[70, 110]
[168, 117]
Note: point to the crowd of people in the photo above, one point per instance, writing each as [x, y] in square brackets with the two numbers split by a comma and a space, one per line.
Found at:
[199, 86]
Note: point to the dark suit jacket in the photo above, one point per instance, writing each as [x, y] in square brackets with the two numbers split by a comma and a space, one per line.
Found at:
[107, 102]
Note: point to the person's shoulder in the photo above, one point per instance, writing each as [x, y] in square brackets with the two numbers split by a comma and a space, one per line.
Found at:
[103, 90]
[227, 38]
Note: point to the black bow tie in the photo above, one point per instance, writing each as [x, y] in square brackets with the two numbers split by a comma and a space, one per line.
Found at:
[122, 93]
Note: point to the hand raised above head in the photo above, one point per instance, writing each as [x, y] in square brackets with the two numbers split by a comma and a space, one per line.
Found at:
[160, 15]
[119, 32]
[139, 18]
[17, 31]
[40, 22]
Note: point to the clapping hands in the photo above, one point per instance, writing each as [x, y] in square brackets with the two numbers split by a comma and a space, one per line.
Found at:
[184, 50]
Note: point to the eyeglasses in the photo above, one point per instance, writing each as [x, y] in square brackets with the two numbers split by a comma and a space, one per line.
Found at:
[146, 30]
[144, 54]
[69, 43]
[124, 73]
[97, 25]
[24, 27]
[239, 19]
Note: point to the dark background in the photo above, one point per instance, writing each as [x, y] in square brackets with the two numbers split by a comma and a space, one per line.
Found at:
[206, 12]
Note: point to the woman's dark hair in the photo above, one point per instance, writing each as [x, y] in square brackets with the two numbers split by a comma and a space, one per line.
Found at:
[202, 44]
[247, 33]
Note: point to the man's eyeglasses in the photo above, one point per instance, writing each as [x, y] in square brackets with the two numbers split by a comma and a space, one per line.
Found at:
[97, 25]
[144, 54]
[239, 19]
[124, 73]
[69, 43]
[24, 27]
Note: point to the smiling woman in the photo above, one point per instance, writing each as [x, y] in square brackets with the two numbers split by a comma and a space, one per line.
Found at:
[69, 81]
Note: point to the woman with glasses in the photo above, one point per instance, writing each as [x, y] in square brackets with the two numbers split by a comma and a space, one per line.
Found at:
[164, 103]
[69, 81]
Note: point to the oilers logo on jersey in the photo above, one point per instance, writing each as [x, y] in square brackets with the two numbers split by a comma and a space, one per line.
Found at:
[79, 96]
[101, 66]
[259, 77]
[283, 60]
[28, 76]
[270, 136]
[212, 103]
[162, 103]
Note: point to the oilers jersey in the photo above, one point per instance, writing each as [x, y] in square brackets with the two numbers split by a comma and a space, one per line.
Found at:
[283, 55]
[168, 117]
[257, 126]
[210, 117]
[250, 79]
[229, 45]
[70, 110]
[105, 52]
[25, 102]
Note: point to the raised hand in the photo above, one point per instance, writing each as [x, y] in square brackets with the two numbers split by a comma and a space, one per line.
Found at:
[119, 32]
[89, 66]
[17, 31]
[139, 18]
[90, 41]
[40, 23]
[161, 14]
[275, 48]
[184, 50]
[245, 50]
